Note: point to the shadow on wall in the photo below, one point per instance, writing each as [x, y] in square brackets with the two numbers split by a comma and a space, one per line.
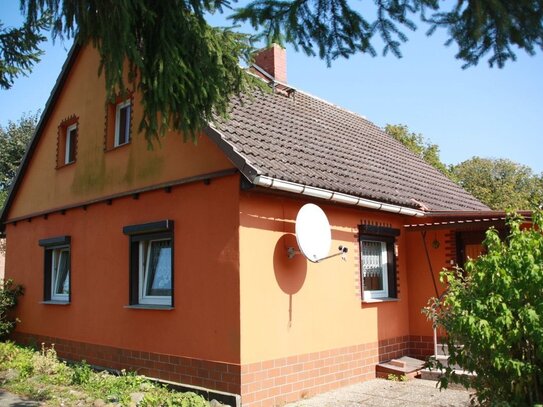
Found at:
[289, 273]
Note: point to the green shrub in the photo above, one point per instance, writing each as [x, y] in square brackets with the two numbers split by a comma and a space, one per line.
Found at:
[493, 316]
[9, 293]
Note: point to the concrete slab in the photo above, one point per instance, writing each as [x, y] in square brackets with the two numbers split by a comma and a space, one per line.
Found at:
[385, 393]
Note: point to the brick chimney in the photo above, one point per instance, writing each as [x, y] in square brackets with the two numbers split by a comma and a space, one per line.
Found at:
[274, 61]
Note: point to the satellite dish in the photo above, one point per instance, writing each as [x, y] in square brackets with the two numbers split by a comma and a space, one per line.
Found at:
[313, 232]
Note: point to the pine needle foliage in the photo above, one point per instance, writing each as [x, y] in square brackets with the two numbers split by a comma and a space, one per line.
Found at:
[335, 28]
[19, 49]
[185, 70]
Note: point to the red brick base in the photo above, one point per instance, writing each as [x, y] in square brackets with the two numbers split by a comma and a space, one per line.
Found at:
[279, 381]
[421, 347]
[203, 373]
[266, 383]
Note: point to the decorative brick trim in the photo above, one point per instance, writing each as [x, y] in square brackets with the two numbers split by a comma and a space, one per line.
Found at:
[450, 249]
[279, 381]
[213, 375]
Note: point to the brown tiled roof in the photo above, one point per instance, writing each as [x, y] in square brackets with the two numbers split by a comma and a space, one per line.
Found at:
[302, 139]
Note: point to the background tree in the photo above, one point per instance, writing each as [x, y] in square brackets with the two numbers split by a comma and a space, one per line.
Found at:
[500, 183]
[14, 139]
[418, 145]
[495, 311]
[187, 70]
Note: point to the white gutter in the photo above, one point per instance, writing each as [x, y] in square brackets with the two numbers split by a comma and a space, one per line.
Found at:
[273, 183]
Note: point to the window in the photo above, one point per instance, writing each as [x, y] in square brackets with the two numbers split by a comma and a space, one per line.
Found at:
[67, 141]
[71, 140]
[57, 269]
[151, 263]
[118, 122]
[122, 123]
[378, 261]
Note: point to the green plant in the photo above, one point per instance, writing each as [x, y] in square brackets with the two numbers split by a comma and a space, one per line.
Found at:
[397, 377]
[9, 293]
[40, 375]
[493, 316]
[82, 373]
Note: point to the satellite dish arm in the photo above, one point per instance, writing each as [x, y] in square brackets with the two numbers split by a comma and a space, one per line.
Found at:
[291, 252]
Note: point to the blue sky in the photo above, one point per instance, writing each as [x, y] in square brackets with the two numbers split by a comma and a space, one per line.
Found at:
[481, 111]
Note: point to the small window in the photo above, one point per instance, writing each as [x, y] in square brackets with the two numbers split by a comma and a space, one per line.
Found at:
[122, 123]
[374, 268]
[57, 269]
[378, 262]
[118, 122]
[151, 263]
[67, 141]
[71, 142]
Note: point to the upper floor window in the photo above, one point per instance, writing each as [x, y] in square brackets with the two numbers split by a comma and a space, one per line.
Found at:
[122, 122]
[118, 122]
[67, 141]
[378, 261]
[71, 142]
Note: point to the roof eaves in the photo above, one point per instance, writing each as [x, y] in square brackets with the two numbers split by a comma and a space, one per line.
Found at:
[233, 154]
[72, 55]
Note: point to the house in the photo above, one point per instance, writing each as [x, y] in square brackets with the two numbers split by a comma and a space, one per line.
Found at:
[174, 261]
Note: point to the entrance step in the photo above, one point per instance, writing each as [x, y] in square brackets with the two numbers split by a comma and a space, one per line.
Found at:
[404, 366]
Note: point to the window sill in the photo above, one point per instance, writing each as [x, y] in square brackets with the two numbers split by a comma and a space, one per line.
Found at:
[55, 302]
[378, 300]
[65, 165]
[116, 148]
[150, 306]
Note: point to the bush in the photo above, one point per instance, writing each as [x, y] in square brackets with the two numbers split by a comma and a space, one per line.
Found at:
[493, 316]
[9, 293]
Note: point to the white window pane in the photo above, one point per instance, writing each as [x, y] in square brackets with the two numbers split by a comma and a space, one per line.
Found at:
[61, 273]
[158, 278]
[122, 123]
[373, 266]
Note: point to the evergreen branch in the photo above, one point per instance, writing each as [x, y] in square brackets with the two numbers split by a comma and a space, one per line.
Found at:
[19, 49]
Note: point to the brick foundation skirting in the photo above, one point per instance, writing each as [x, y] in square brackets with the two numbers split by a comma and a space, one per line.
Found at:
[195, 372]
[279, 381]
[267, 383]
[421, 347]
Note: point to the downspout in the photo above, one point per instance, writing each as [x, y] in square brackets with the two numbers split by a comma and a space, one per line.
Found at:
[430, 268]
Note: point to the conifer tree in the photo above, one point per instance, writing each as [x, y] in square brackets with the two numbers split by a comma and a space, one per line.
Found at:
[187, 70]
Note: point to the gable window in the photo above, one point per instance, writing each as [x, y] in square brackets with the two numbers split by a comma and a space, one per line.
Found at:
[377, 262]
[122, 123]
[67, 141]
[71, 140]
[118, 122]
[57, 269]
[151, 263]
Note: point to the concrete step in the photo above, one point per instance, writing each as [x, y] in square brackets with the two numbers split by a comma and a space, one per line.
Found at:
[404, 366]
[435, 374]
[444, 360]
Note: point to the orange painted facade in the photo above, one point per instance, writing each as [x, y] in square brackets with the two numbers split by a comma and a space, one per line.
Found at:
[245, 319]
[206, 265]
